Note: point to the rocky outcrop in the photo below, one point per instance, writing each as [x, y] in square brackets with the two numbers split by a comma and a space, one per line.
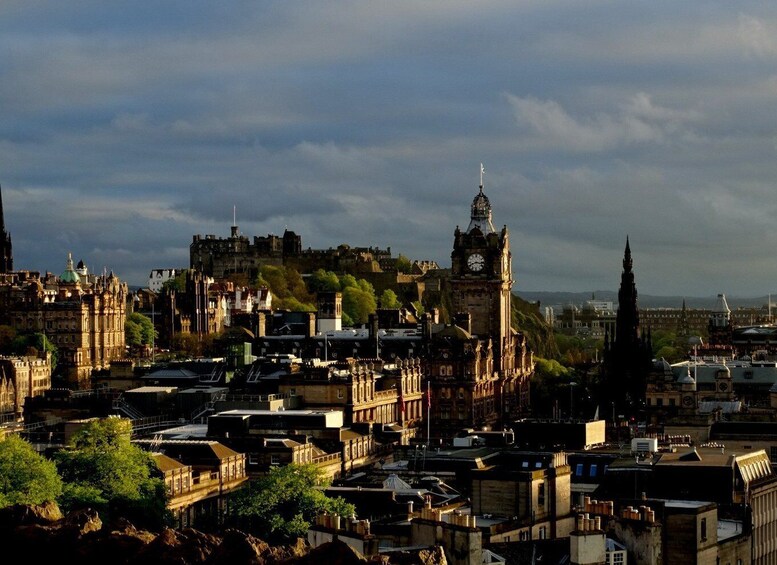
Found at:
[42, 534]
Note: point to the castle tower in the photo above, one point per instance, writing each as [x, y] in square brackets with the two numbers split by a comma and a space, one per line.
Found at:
[6, 249]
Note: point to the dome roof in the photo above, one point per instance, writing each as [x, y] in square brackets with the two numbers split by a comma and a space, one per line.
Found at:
[480, 217]
[686, 379]
[454, 332]
[69, 276]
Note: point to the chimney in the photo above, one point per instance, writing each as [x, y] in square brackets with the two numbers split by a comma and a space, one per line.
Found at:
[261, 324]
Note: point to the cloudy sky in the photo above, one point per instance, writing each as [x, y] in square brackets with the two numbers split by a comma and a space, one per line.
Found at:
[126, 128]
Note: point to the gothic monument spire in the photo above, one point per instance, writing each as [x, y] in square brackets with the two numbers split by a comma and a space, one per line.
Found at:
[6, 250]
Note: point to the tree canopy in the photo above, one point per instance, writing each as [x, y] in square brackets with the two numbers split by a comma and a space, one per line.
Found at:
[281, 505]
[288, 289]
[139, 330]
[403, 264]
[388, 299]
[102, 469]
[25, 476]
[177, 283]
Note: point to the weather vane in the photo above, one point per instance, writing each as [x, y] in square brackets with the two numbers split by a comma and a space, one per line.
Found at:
[482, 172]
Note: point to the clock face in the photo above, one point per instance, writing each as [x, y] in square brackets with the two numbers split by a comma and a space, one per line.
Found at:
[476, 262]
[687, 401]
[722, 386]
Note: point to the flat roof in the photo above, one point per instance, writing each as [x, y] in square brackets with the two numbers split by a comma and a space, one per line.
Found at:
[257, 412]
[729, 529]
[686, 503]
[187, 431]
[146, 389]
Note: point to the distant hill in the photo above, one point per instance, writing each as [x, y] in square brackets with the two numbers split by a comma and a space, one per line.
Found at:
[645, 300]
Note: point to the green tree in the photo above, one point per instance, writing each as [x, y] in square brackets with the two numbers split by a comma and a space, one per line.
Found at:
[321, 280]
[288, 288]
[403, 264]
[102, 469]
[139, 330]
[280, 506]
[275, 277]
[358, 304]
[388, 299]
[669, 345]
[25, 476]
[348, 281]
[177, 283]
[34, 344]
[548, 383]
[7, 337]
[293, 305]
[186, 345]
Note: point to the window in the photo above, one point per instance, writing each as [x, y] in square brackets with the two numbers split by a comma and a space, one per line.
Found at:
[579, 470]
[543, 532]
[617, 557]
[340, 393]
[593, 471]
[541, 494]
[704, 529]
[275, 459]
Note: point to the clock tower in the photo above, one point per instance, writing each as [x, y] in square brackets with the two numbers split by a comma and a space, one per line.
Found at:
[481, 280]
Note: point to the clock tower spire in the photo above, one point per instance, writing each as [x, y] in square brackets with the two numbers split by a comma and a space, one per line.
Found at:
[481, 277]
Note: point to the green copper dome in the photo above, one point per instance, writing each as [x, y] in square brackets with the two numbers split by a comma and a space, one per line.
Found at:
[69, 276]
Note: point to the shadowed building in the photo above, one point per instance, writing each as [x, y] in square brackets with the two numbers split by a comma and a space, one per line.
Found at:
[6, 250]
[628, 354]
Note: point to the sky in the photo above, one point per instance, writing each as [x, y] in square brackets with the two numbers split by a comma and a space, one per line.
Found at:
[128, 127]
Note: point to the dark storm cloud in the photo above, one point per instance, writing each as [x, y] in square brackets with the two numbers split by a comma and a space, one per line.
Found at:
[127, 129]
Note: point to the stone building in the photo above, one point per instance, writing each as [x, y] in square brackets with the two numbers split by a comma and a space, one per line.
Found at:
[366, 391]
[198, 310]
[477, 369]
[492, 375]
[82, 314]
[198, 476]
[22, 378]
[532, 490]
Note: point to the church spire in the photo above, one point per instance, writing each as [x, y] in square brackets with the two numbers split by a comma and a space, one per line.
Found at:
[6, 249]
[627, 262]
[627, 318]
[2, 219]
